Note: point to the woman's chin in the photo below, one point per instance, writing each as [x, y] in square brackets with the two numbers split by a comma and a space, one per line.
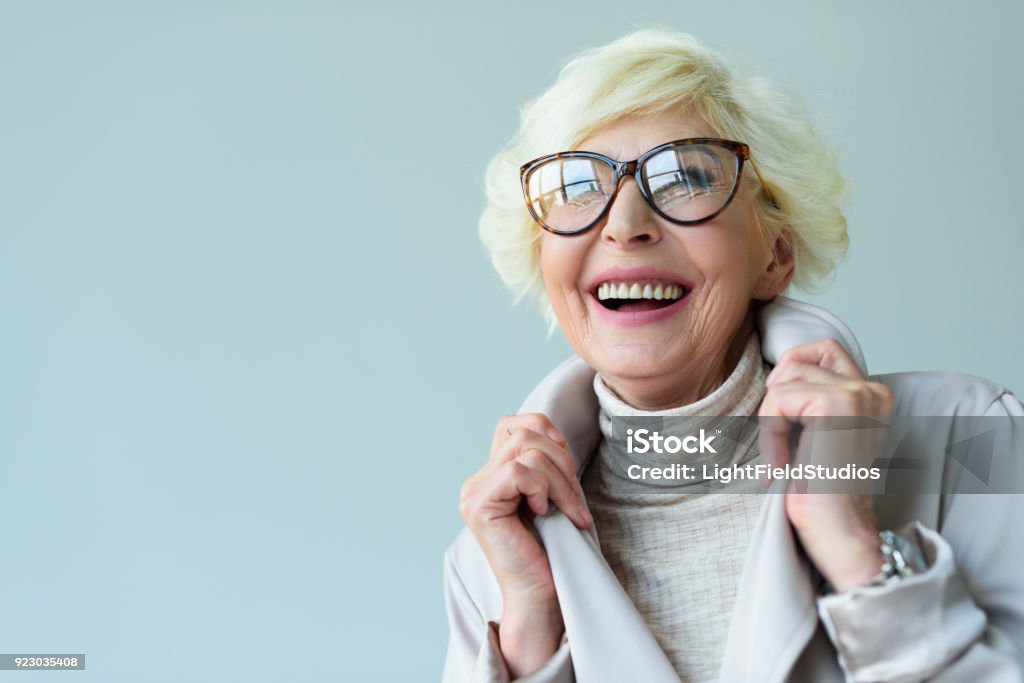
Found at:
[634, 360]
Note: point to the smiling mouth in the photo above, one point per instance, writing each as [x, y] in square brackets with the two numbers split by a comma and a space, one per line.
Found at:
[637, 296]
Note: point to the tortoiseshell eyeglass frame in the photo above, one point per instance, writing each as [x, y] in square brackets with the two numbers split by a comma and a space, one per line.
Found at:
[633, 168]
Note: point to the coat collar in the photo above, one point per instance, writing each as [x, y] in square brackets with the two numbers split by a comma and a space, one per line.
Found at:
[774, 615]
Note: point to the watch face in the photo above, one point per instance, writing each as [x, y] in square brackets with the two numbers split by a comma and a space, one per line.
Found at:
[912, 555]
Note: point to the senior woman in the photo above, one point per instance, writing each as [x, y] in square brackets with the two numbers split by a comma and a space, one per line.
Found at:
[669, 200]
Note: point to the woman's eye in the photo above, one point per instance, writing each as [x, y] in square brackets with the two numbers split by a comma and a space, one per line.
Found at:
[697, 178]
[583, 193]
[687, 183]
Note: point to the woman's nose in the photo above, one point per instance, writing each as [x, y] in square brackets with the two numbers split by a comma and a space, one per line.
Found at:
[631, 220]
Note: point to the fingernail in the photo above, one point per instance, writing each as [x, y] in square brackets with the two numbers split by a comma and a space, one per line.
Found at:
[587, 517]
[556, 436]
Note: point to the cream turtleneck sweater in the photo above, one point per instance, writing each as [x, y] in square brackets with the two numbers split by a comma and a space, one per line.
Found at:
[678, 554]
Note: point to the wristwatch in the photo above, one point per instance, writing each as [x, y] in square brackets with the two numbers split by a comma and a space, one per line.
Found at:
[902, 558]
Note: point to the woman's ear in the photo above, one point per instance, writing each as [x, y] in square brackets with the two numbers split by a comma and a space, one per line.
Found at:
[779, 271]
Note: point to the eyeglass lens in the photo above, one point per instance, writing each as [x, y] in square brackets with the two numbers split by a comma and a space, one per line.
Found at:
[686, 183]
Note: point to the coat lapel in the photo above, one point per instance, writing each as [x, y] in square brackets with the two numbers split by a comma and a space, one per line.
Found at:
[774, 615]
[610, 641]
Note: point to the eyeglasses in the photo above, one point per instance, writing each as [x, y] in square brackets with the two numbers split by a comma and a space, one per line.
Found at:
[685, 181]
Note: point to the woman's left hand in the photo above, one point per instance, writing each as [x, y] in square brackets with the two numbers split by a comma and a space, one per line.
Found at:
[838, 530]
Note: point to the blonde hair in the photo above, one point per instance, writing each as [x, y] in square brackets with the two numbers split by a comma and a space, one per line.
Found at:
[647, 72]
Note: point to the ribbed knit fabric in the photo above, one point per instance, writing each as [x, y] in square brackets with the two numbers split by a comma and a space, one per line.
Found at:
[679, 555]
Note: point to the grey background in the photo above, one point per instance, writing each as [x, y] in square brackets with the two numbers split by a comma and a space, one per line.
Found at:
[242, 380]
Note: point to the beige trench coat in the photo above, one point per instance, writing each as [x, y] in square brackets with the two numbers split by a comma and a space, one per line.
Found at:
[961, 620]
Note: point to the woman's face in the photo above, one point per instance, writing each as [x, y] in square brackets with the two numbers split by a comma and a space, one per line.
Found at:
[652, 354]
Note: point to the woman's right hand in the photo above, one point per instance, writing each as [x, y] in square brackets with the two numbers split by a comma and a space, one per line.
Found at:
[527, 467]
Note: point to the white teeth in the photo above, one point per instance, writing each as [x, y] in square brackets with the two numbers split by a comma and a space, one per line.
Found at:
[636, 290]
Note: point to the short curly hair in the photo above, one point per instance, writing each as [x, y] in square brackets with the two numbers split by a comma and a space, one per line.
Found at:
[646, 72]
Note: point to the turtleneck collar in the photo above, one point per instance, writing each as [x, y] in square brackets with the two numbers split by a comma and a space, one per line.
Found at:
[736, 442]
[740, 394]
